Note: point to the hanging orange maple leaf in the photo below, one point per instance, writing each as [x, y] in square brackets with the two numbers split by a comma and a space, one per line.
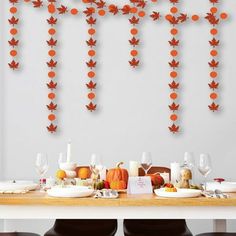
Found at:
[91, 21]
[174, 129]
[52, 21]
[134, 20]
[13, 1]
[52, 64]
[155, 15]
[62, 9]
[13, 21]
[174, 42]
[214, 1]
[52, 85]
[174, 107]
[174, 85]
[113, 9]
[141, 3]
[101, 4]
[134, 62]
[213, 85]
[37, 3]
[173, 20]
[52, 43]
[52, 107]
[125, 9]
[91, 107]
[89, 11]
[91, 42]
[174, 63]
[13, 42]
[134, 42]
[91, 64]
[213, 64]
[91, 85]
[213, 107]
[14, 65]
[214, 42]
[174, 1]
[52, 128]
[182, 18]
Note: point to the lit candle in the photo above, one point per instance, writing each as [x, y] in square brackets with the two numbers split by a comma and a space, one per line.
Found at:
[133, 168]
[175, 172]
[68, 156]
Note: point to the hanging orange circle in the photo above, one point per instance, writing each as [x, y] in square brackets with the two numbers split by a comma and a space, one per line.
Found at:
[195, 17]
[174, 10]
[168, 17]
[52, 53]
[214, 31]
[91, 74]
[91, 96]
[51, 8]
[13, 31]
[51, 74]
[85, 1]
[91, 31]
[51, 96]
[174, 31]
[213, 74]
[214, 10]
[13, 53]
[134, 53]
[51, 31]
[173, 117]
[74, 11]
[133, 10]
[91, 53]
[51, 117]
[213, 96]
[13, 10]
[133, 31]
[141, 14]
[223, 15]
[173, 74]
[101, 12]
[173, 96]
[174, 53]
[214, 53]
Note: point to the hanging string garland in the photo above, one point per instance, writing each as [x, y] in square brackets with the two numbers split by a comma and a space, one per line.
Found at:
[99, 8]
[52, 64]
[174, 18]
[214, 21]
[91, 63]
[13, 42]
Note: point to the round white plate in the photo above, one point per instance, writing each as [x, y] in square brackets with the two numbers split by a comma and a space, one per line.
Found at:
[181, 193]
[70, 191]
[226, 187]
[17, 185]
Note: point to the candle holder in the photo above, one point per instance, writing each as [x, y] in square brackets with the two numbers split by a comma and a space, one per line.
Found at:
[69, 168]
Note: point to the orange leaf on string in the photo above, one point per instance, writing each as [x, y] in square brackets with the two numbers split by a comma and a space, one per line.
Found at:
[174, 1]
[62, 9]
[51, 128]
[91, 64]
[13, 43]
[134, 42]
[91, 42]
[174, 42]
[134, 20]
[52, 85]
[141, 3]
[13, 1]
[214, 42]
[174, 63]
[174, 85]
[91, 85]
[113, 9]
[13, 21]
[52, 42]
[213, 85]
[134, 62]
[37, 3]
[52, 64]
[52, 107]
[213, 64]
[126, 9]
[174, 107]
[89, 11]
[155, 15]
[183, 17]
[173, 20]
[101, 4]
[91, 21]
[91, 107]
[14, 65]
[213, 107]
[52, 21]
[174, 129]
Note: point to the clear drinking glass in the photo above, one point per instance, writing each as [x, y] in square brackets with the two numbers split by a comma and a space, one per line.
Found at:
[189, 160]
[204, 166]
[146, 161]
[41, 166]
[96, 166]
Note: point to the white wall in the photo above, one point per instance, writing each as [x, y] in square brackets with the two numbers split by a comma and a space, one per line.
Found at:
[133, 104]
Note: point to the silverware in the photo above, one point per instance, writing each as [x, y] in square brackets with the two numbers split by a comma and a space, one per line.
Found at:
[220, 194]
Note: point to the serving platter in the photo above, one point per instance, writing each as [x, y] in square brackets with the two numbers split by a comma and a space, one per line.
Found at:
[181, 193]
[18, 185]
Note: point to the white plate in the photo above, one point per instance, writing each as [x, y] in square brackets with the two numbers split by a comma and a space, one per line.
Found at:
[181, 193]
[226, 187]
[17, 185]
[70, 191]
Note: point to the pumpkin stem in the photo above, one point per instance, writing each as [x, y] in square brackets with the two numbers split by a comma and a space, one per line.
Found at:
[119, 163]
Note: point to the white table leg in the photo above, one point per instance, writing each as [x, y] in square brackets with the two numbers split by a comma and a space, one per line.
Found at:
[219, 225]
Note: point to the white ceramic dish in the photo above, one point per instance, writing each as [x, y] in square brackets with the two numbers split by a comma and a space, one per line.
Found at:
[18, 185]
[181, 193]
[70, 191]
[226, 187]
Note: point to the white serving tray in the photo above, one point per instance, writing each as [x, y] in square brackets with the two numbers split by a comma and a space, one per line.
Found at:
[181, 193]
[18, 185]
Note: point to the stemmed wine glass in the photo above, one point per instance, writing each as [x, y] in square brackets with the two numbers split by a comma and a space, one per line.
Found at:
[204, 166]
[96, 167]
[41, 165]
[146, 161]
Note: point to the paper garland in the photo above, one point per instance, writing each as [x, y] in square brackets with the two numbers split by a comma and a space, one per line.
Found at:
[136, 12]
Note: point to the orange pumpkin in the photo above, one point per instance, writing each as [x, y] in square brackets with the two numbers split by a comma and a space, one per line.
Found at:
[118, 175]
[116, 185]
[84, 173]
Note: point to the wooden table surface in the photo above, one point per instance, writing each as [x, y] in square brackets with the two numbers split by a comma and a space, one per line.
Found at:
[38, 198]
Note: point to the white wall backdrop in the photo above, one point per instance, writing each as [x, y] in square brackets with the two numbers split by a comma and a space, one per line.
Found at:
[133, 113]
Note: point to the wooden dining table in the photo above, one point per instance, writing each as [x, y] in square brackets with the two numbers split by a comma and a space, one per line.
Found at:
[38, 205]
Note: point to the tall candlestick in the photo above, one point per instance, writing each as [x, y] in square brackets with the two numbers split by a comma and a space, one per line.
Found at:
[175, 172]
[68, 156]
